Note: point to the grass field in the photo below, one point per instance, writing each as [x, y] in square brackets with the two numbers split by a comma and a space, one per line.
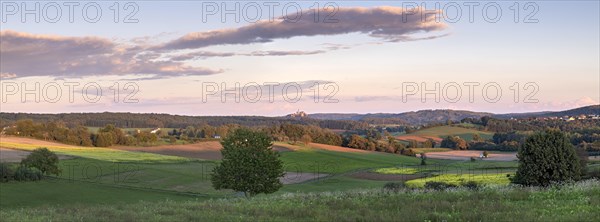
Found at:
[570, 203]
[325, 161]
[58, 192]
[101, 184]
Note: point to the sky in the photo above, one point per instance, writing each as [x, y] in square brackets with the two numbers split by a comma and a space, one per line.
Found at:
[194, 58]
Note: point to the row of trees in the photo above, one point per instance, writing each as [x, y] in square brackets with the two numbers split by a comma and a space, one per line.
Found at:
[79, 135]
[154, 120]
[304, 133]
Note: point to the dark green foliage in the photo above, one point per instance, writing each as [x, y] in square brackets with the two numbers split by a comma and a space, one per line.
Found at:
[546, 158]
[104, 139]
[454, 142]
[583, 159]
[6, 172]
[249, 164]
[393, 186]
[437, 185]
[24, 173]
[44, 160]
[472, 185]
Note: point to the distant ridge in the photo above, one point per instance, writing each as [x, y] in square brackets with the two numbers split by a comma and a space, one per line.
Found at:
[326, 120]
[443, 115]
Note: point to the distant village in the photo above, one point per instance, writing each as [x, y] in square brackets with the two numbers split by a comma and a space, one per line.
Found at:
[569, 118]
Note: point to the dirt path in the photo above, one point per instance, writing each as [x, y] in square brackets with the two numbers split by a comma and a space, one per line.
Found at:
[419, 138]
[467, 154]
[12, 156]
[296, 177]
[31, 141]
[15, 156]
[337, 148]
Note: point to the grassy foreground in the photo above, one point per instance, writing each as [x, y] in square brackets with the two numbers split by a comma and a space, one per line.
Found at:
[576, 202]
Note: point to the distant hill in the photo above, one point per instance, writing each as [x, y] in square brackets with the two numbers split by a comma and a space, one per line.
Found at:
[586, 110]
[343, 121]
[443, 115]
[412, 118]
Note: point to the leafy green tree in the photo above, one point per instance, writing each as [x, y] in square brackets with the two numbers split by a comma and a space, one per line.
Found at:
[44, 160]
[545, 158]
[249, 164]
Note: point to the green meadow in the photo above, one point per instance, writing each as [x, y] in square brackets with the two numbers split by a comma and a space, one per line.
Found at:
[100, 184]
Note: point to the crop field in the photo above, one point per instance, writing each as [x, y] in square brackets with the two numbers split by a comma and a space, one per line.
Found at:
[106, 154]
[439, 132]
[116, 181]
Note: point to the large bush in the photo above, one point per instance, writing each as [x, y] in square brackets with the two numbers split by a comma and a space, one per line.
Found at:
[24, 173]
[6, 173]
[545, 158]
[42, 159]
[249, 164]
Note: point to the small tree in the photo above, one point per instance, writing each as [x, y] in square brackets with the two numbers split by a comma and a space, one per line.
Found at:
[486, 154]
[306, 139]
[249, 164]
[547, 157]
[44, 160]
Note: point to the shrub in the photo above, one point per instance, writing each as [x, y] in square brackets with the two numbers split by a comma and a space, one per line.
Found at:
[408, 152]
[546, 158]
[436, 185]
[42, 159]
[472, 185]
[6, 172]
[486, 154]
[393, 186]
[28, 174]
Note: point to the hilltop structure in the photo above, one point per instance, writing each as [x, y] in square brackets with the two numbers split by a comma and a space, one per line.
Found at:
[298, 114]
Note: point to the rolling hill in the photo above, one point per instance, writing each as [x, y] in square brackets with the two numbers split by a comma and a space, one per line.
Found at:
[443, 115]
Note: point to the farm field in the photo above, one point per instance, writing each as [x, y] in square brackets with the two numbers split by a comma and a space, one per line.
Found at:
[467, 154]
[106, 154]
[439, 132]
[121, 178]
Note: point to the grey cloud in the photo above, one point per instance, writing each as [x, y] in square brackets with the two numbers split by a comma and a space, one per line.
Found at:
[25, 54]
[207, 54]
[380, 22]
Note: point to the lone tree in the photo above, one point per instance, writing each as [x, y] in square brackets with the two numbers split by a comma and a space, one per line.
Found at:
[44, 160]
[547, 157]
[249, 164]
